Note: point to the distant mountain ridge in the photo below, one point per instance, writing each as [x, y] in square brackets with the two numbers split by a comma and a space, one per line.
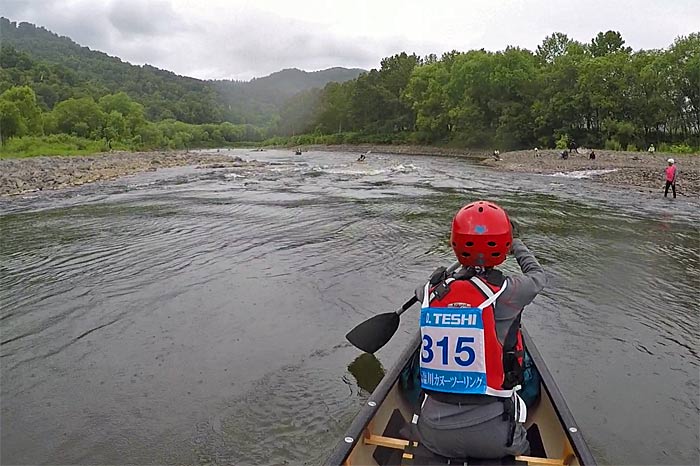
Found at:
[293, 80]
[266, 96]
[163, 93]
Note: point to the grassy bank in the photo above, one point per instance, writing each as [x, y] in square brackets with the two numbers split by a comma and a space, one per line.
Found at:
[59, 144]
[67, 145]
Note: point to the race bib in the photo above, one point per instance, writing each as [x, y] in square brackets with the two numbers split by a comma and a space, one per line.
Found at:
[452, 355]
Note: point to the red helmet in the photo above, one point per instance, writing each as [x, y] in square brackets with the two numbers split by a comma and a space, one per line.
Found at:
[481, 234]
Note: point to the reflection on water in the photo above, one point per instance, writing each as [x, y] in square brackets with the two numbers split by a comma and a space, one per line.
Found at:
[198, 316]
[367, 370]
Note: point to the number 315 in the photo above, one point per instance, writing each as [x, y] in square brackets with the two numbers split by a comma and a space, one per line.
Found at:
[462, 346]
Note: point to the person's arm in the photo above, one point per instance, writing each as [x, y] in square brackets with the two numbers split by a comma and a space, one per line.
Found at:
[532, 269]
[522, 289]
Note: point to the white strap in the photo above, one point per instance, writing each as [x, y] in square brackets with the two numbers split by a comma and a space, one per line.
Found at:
[487, 291]
[414, 419]
[426, 295]
[482, 286]
[520, 409]
[500, 393]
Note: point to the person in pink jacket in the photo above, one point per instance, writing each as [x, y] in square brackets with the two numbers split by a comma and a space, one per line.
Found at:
[670, 177]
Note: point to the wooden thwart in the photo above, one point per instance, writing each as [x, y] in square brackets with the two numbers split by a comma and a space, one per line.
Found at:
[401, 444]
[534, 461]
[388, 442]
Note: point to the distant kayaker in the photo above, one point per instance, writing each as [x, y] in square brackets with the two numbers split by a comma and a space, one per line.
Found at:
[671, 174]
[591, 156]
[472, 354]
[363, 156]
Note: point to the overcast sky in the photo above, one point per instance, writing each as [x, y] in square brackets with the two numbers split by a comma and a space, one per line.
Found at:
[238, 39]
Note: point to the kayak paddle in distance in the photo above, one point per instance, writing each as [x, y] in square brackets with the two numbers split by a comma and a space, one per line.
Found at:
[375, 332]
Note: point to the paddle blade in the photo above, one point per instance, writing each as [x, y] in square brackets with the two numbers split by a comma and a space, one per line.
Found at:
[374, 333]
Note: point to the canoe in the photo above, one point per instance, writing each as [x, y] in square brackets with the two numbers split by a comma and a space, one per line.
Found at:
[373, 437]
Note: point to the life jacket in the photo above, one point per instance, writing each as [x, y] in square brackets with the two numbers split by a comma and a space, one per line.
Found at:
[461, 356]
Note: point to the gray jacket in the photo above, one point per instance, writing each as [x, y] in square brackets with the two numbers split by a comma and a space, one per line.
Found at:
[519, 292]
[480, 430]
[521, 289]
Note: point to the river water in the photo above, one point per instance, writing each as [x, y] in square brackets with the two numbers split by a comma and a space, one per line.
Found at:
[198, 316]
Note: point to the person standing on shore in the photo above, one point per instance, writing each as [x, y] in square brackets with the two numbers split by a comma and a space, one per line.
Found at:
[671, 173]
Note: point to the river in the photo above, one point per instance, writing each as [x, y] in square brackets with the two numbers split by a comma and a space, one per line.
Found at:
[198, 316]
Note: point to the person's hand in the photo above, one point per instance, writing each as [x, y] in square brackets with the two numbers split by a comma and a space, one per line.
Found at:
[515, 231]
[438, 276]
[420, 292]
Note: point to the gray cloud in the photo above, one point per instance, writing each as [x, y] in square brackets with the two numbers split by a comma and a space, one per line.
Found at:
[244, 39]
[134, 17]
[254, 45]
[83, 21]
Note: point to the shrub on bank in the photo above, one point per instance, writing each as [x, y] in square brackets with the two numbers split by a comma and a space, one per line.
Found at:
[613, 144]
[54, 144]
[678, 148]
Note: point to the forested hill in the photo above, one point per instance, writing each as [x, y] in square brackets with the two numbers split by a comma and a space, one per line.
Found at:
[256, 101]
[288, 82]
[57, 68]
[84, 71]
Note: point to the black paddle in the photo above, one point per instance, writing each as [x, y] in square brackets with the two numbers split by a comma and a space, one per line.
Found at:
[376, 332]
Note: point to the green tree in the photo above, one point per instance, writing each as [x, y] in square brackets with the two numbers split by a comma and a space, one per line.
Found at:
[133, 112]
[25, 100]
[82, 117]
[552, 47]
[684, 74]
[426, 93]
[334, 107]
[608, 42]
[11, 121]
[115, 127]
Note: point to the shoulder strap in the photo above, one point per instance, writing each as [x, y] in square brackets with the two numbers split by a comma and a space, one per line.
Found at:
[491, 296]
[428, 296]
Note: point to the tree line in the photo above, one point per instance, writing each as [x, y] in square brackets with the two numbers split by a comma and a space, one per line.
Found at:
[115, 119]
[600, 94]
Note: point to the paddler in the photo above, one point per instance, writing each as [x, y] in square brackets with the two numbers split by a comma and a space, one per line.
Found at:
[472, 351]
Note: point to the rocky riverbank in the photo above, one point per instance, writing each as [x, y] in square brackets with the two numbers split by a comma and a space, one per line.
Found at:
[40, 173]
[629, 169]
[640, 170]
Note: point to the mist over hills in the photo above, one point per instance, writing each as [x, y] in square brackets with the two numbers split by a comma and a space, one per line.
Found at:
[57, 68]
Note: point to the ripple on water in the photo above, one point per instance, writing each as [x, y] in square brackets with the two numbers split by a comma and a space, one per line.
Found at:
[290, 417]
[329, 244]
